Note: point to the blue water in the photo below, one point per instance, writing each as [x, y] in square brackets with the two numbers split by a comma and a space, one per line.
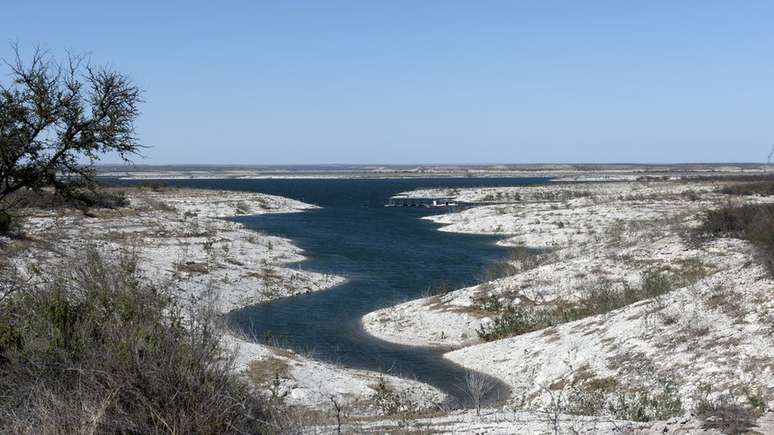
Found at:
[388, 255]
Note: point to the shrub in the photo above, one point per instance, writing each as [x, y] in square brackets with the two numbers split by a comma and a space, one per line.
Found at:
[764, 188]
[725, 414]
[730, 413]
[156, 186]
[589, 397]
[515, 320]
[103, 199]
[753, 222]
[599, 299]
[519, 259]
[655, 283]
[491, 304]
[440, 288]
[386, 399]
[6, 223]
[691, 195]
[97, 198]
[500, 269]
[604, 396]
[659, 404]
[97, 350]
[391, 402]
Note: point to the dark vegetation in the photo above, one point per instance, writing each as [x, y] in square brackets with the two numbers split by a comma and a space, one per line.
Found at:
[95, 350]
[56, 120]
[730, 413]
[519, 259]
[7, 223]
[89, 346]
[440, 288]
[47, 199]
[763, 188]
[753, 222]
[25, 199]
[603, 298]
[725, 415]
[604, 396]
[736, 178]
[561, 195]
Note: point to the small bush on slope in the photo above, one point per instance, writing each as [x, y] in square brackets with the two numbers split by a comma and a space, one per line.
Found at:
[660, 404]
[83, 199]
[753, 222]
[519, 319]
[603, 396]
[5, 223]
[97, 351]
[763, 188]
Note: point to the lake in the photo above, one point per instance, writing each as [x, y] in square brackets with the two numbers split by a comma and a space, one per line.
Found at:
[388, 254]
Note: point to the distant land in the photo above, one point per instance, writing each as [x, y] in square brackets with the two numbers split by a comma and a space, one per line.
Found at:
[574, 172]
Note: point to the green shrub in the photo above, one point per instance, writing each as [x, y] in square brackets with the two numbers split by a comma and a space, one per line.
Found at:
[498, 270]
[731, 412]
[440, 288]
[660, 404]
[753, 222]
[6, 223]
[655, 283]
[491, 304]
[589, 397]
[725, 414]
[599, 299]
[98, 351]
[103, 199]
[519, 259]
[604, 396]
[97, 198]
[764, 188]
[515, 320]
[386, 400]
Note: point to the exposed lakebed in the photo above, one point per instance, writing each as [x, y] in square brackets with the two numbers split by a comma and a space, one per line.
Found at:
[388, 255]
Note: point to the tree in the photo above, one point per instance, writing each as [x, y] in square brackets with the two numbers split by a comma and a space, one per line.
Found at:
[477, 387]
[58, 119]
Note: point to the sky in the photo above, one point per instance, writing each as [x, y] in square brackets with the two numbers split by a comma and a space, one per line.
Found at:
[445, 82]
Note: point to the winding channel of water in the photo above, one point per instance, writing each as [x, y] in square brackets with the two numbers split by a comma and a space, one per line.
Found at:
[388, 255]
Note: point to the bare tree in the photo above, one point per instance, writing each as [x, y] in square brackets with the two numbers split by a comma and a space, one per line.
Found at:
[339, 410]
[556, 408]
[58, 119]
[477, 386]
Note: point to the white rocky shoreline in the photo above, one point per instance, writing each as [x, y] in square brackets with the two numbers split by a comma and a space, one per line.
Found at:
[596, 233]
[715, 331]
[181, 240]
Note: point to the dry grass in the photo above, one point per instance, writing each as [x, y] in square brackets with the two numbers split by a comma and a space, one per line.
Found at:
[262, 371]
[92, 349]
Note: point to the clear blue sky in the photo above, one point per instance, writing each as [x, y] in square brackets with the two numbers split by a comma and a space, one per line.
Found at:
[259, 82]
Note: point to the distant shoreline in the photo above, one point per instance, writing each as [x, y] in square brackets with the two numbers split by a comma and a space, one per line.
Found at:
[577, 172]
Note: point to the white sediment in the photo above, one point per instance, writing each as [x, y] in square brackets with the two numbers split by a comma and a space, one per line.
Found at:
[715, 331]
[181, 242]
